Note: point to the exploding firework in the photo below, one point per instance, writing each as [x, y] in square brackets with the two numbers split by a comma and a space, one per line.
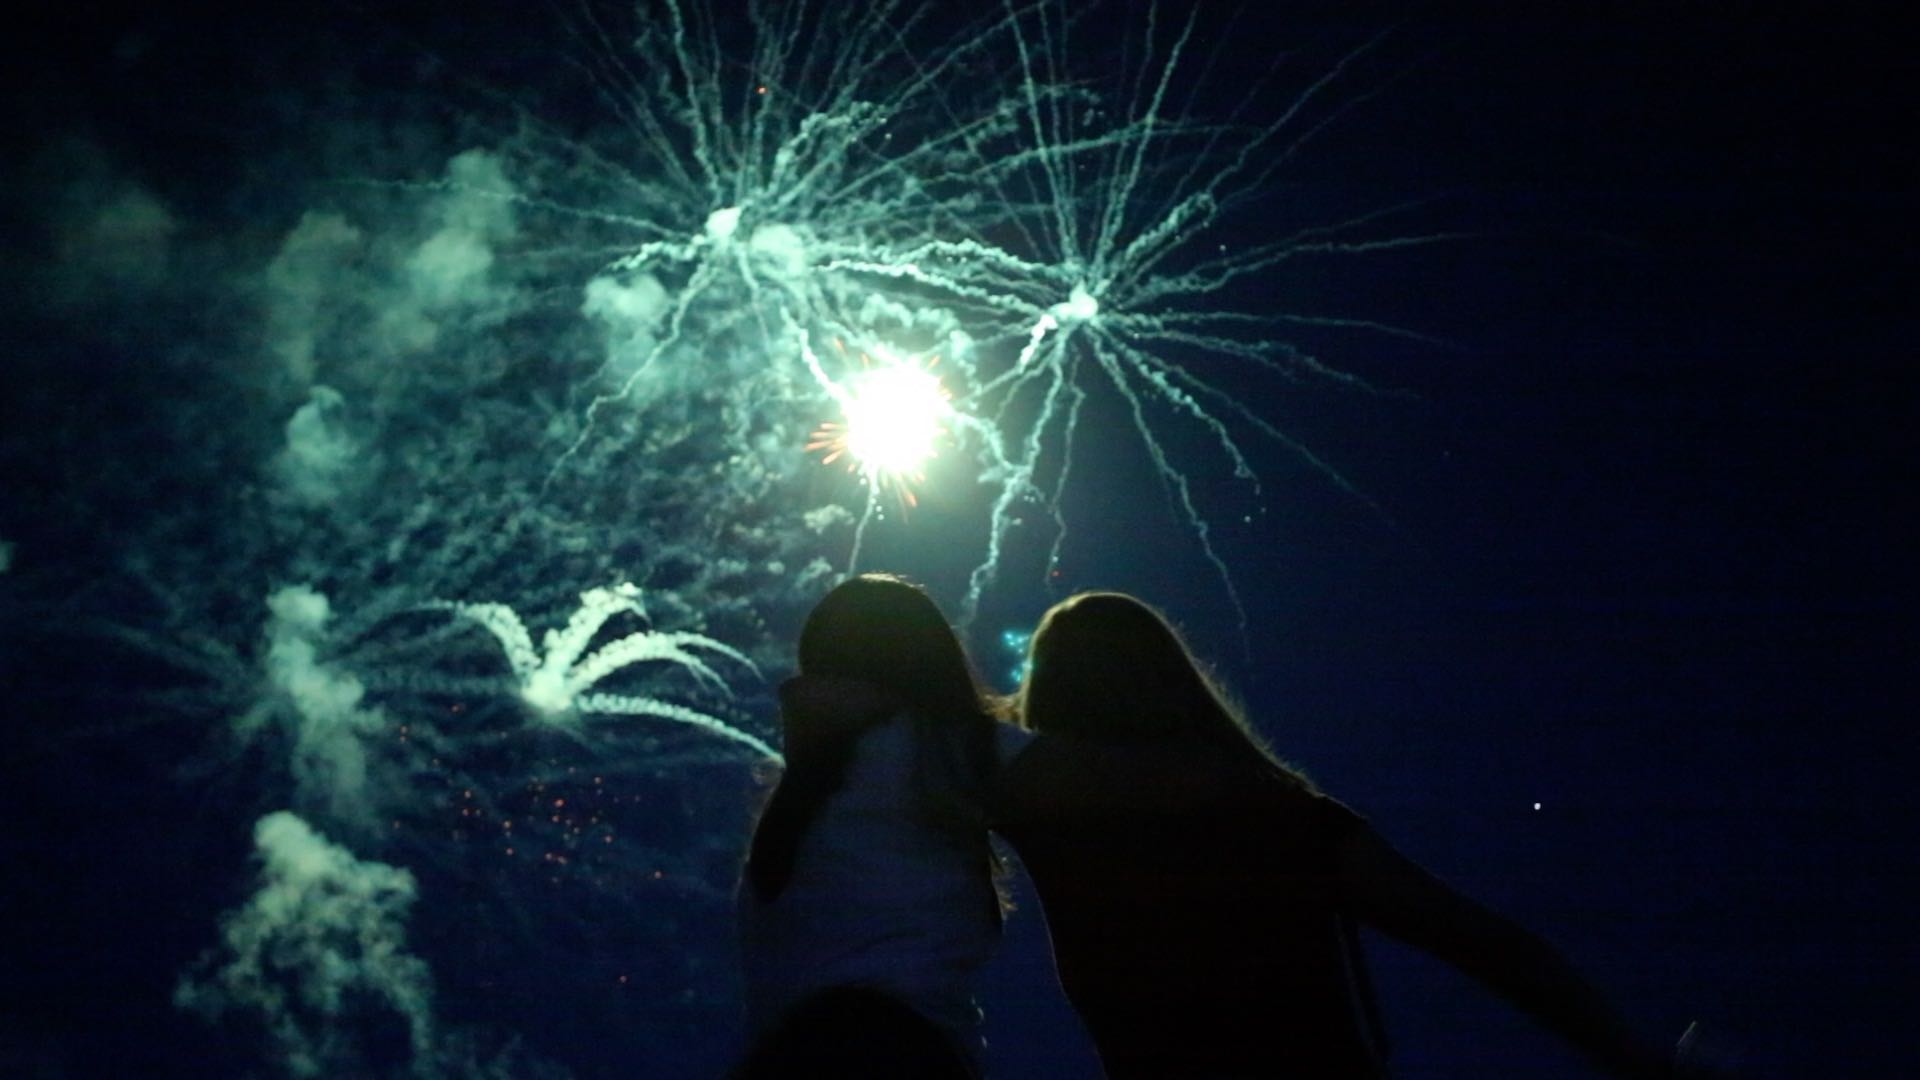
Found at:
[1057, 229]
[894, 414]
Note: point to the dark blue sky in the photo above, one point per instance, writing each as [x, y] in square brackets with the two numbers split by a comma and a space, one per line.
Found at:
[1642, 549]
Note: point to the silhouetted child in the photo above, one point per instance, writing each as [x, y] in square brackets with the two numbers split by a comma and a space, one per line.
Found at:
[1202, 897]
[868, 901]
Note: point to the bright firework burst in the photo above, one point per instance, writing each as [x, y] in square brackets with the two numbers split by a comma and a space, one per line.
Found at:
[1054, 224]
[894, 414]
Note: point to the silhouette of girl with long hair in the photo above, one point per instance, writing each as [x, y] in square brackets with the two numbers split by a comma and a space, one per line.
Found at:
[1202, 896]
[869, 900]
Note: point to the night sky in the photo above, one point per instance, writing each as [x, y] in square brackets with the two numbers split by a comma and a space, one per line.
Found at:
[1614, 632]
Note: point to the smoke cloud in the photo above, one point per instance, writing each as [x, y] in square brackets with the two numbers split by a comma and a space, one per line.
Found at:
[319, 957]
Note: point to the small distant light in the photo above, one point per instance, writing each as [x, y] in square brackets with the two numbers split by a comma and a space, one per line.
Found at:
[1536, 806]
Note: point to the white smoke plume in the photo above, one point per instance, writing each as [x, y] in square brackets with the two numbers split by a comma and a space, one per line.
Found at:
[318, 956]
